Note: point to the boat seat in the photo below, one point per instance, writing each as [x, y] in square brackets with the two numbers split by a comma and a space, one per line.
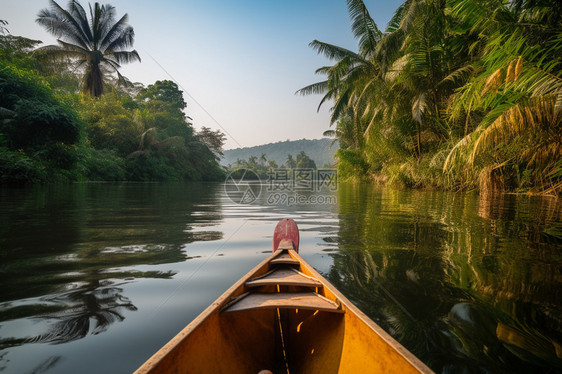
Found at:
[284, 277]
[300, 300]
[284, 258]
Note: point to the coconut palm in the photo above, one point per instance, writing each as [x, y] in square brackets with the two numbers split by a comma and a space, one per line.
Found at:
[454, 87]
[3, 30]
[98, 44]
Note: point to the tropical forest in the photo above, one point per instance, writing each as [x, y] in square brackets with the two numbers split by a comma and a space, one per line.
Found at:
[67, 114]
[453, 94]
[391, 170]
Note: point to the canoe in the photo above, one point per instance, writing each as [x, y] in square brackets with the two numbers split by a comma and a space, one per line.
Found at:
[283, 317]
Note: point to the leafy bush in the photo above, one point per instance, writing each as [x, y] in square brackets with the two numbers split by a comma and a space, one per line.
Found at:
[102, 165]
[38, 122]
[17, 167]
[148, 168]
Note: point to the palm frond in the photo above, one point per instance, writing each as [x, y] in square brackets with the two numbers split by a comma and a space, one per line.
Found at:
[363, 27]
[460, 75]
[313, 89]
[79, 14]
[125, 57]
[410, 14]
[73, 48]
[525, 118]
[333, 52]
[120, 36]
[61, 25]
[394, 23]
[323, 70]
[455, 152]
[419, 107]
[124, 40]
[328, 96]
[341, 105]
[397, 67]
[388, 48]
[59, 52]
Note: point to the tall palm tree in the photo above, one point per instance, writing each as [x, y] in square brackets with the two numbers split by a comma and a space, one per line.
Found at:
[97, 44]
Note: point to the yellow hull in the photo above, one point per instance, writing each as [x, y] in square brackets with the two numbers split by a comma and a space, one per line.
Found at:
[286, 318]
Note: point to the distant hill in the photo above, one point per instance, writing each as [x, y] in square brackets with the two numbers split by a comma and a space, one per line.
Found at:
[317, 149]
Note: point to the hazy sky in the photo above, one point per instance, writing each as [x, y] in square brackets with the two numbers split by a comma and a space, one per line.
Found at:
[240, 60]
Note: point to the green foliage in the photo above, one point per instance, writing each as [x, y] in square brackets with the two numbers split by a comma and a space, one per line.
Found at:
[102, 165]
[50, 133]
[214, 140]
[263, 167]
[38, 132]
[352, 165]
[151, 168]
[38, 122]
[451, 89]
[15, 50]
[305, 162]
[319, 150]
[109, 124]
[19, 168]
[163, 95]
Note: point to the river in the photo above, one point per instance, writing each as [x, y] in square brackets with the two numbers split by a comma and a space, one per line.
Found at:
[97, 277]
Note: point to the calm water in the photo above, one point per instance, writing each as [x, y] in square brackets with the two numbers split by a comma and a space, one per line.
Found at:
[96, 277]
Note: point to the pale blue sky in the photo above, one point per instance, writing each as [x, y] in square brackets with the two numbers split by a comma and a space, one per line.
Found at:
[241, 60]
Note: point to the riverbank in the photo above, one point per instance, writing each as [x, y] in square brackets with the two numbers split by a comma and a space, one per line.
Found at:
[51, 133]
[428, 174]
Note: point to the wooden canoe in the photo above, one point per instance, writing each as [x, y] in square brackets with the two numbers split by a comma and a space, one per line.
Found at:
[283, 317]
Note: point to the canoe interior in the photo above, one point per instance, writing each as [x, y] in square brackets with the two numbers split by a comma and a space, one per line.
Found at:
[315, 341]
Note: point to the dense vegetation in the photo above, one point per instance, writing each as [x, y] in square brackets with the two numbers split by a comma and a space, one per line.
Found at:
[51, 132]
[454, 94]
[320, 150]
[263, 167]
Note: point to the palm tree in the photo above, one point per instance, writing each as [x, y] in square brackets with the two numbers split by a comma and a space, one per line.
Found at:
[98, 45]
[3, 30]
[291, 163]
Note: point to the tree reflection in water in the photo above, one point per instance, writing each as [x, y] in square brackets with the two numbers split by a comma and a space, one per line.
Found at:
[89, 309]
[432, 270]
[68, 251]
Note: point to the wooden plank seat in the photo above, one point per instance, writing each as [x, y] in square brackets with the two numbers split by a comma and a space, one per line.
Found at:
[284, 258]
[300, 300]
[284, 277]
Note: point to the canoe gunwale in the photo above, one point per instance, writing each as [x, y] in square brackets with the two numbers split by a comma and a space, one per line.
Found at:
[345, 304]
[239, 290]
[225, 298]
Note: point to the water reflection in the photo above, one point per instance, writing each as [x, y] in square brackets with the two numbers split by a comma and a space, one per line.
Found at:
[46, 365]
[67, 251]
[465, 284]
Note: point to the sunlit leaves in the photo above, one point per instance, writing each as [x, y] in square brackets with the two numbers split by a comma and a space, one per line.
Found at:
[476, 82]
